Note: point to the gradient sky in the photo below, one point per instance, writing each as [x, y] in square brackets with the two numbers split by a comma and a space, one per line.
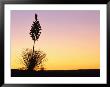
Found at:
[70, 38]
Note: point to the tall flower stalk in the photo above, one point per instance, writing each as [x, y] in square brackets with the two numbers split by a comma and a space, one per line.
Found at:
[35, 30]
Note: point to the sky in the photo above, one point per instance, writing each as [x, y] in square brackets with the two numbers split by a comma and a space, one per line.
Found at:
[70, 38]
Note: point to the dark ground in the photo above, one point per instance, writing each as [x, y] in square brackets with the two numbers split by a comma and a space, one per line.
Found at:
[56, 73]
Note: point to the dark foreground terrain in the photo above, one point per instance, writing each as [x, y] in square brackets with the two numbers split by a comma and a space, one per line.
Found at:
[56, 73]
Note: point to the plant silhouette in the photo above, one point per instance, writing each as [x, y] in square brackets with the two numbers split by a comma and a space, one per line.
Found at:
[30, 60]
[33, 58]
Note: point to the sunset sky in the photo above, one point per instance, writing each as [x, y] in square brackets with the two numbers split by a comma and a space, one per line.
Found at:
[70, 38]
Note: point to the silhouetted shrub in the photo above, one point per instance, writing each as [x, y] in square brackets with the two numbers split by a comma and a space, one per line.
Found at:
[33, 59]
